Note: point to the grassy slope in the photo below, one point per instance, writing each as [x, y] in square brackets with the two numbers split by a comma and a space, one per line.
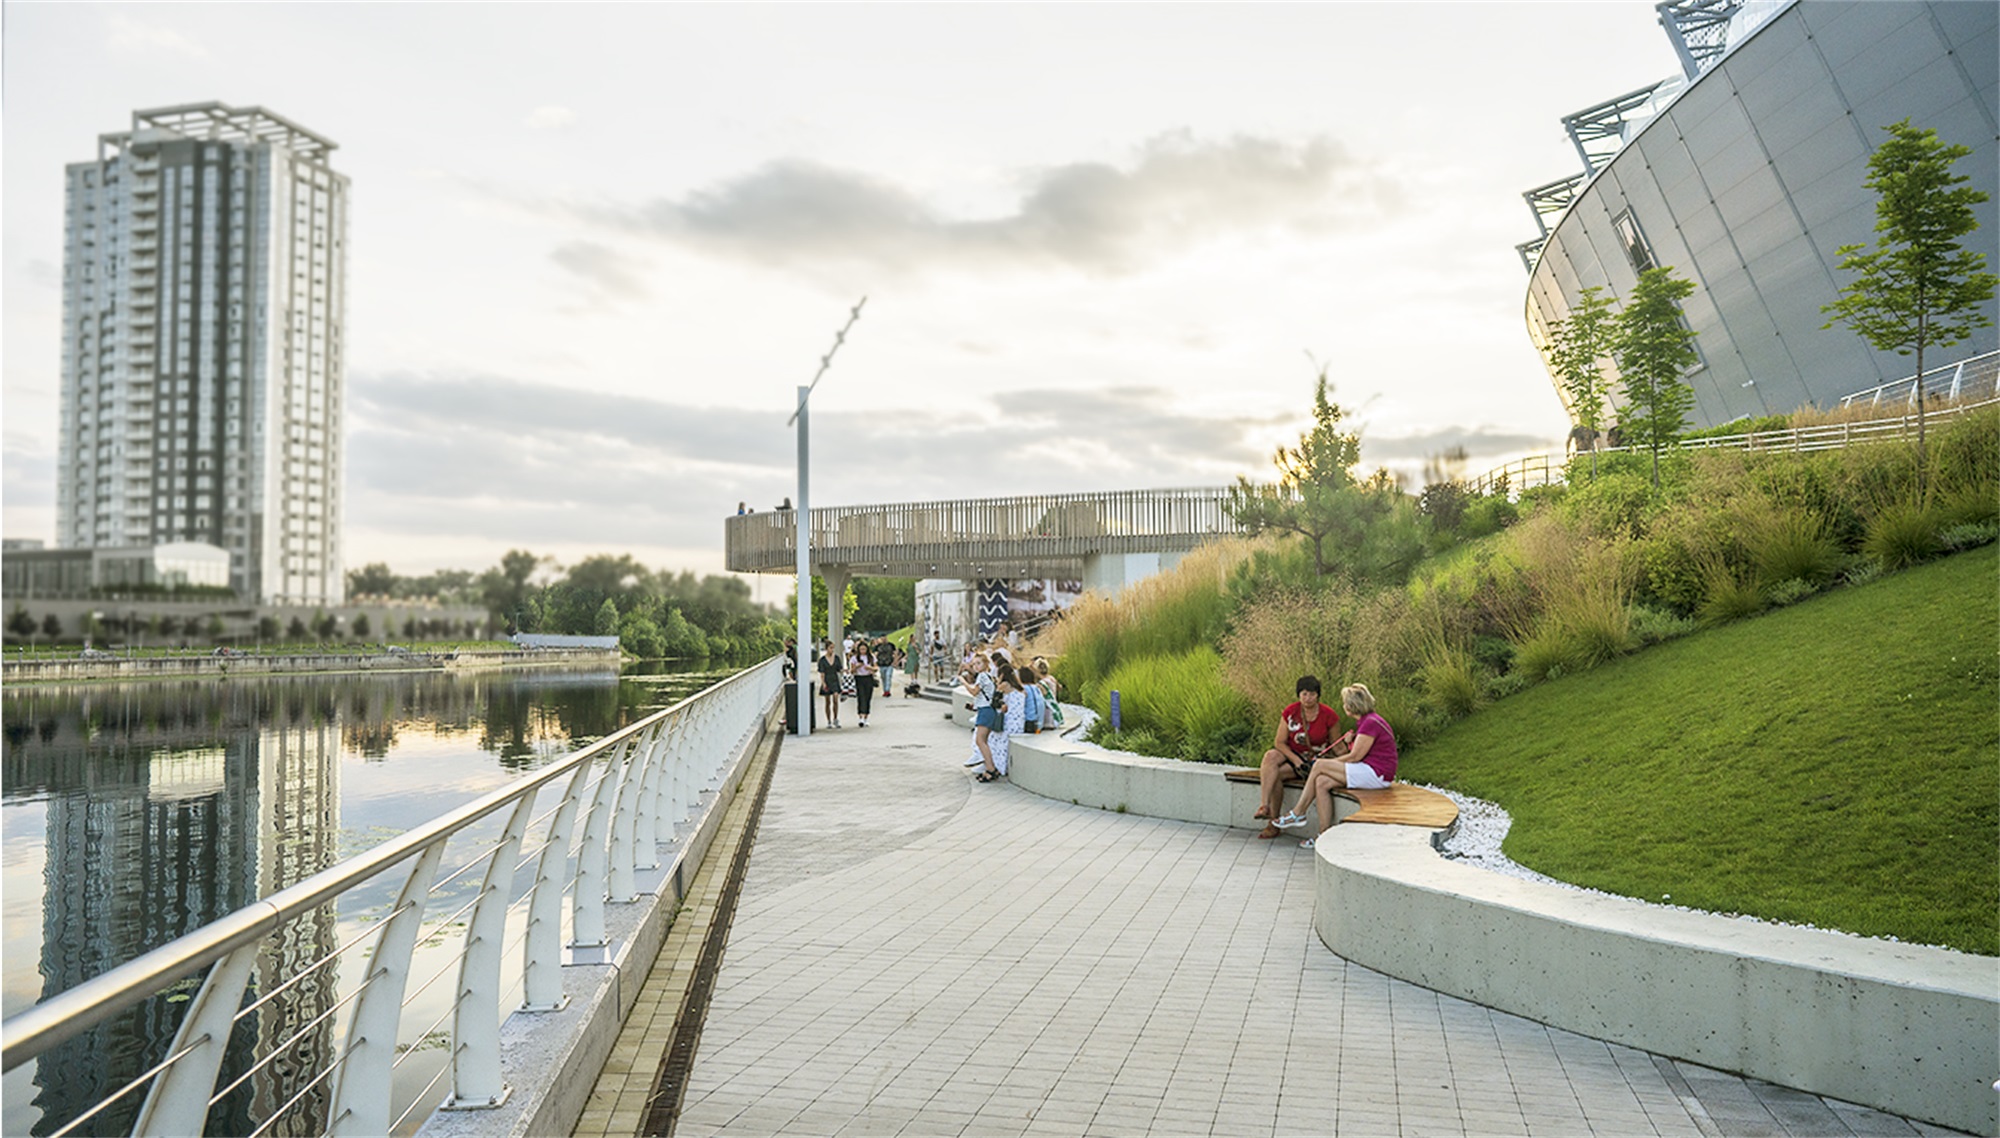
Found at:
[1835, 763]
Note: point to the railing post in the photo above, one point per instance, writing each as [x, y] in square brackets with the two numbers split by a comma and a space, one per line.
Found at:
[646, 837]
[586, 903]
[541, 978]
[623, 886]
[666, 791]
[177, 1102]
[361, 1088]
[475, 1021]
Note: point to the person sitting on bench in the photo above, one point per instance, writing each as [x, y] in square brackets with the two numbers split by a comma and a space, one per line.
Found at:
[1370, 762]
[1307, 730]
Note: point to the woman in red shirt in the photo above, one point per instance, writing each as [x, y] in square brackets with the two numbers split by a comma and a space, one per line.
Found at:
[1307, 730]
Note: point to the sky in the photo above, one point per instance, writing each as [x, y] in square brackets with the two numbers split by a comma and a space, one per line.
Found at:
[594, 249]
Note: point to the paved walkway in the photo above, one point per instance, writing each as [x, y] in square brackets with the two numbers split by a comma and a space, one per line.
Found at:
[916, 954]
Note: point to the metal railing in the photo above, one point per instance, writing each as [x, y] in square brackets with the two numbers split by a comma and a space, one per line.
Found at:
[1023, 536]
[625, 800]
[1548, 470]
[1977, 377]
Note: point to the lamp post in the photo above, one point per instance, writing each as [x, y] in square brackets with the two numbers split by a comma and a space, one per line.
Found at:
[802, 722]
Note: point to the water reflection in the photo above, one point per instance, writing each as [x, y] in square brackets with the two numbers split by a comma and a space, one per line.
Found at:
[151, 809]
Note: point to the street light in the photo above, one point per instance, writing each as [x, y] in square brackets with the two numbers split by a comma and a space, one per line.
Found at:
[802, 721]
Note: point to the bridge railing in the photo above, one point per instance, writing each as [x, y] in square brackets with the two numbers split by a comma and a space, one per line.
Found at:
[1976, 377]
[1545, 470]
[989, 531]
[622, 803]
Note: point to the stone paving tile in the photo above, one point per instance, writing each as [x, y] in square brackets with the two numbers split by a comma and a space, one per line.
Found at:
[915, 954]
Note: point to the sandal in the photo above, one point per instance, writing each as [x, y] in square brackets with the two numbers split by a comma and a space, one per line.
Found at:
[987, 776]
[1262, 813]
[1269, 831]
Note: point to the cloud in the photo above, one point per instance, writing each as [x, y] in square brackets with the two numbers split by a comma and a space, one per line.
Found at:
[523, 463]
[1177, 194]
[1477, 441]
[132, 36]
[549, 118]
[612, 274]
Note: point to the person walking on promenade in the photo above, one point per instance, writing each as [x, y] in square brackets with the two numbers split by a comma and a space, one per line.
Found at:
[862, 666]
[829, 682]
[885, 660]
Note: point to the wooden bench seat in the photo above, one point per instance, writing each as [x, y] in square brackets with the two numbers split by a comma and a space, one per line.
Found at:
[1398, 804]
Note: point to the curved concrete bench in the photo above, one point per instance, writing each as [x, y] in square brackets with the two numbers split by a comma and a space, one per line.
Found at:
[1902, 1028]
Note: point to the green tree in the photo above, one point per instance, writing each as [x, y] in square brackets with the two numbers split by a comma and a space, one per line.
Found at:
[606, 621]
[849, 603]
[1312, 479]
[1578, 344]
[51, 626]
[267, 627]
[20, 623]
[1919, 287]
[374, 579]
[884, 604]
[1654, 348]
[361, 626]
[214, 627]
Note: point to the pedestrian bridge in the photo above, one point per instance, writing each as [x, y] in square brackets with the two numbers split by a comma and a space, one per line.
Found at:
[1035, 535]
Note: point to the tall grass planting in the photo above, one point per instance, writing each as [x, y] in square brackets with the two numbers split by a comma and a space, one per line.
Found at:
[1180, 703]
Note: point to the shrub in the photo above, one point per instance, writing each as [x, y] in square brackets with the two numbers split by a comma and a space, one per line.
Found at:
[1133, 740]
[1729, 597]
[1788, 543]
[1902, 535]
[1541, 656]
[1789, 592]
[1486, 515]
[1968, 535]
[1651, 625]
[1452, 684]
[1278, 638]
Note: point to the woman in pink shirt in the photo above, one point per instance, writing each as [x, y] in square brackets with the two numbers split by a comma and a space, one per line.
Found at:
[1369, 764]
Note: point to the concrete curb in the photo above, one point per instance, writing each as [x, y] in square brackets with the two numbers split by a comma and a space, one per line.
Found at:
[1902, 1028]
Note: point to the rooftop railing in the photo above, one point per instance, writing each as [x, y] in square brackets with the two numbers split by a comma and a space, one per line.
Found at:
[1023, 536]
[1975, 378]
[624, 805]
[1546, 470]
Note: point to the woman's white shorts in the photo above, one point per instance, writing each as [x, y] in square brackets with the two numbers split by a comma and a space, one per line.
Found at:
[1361, 776]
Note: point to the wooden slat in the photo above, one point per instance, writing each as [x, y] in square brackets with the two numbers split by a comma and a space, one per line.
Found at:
[1399, 805]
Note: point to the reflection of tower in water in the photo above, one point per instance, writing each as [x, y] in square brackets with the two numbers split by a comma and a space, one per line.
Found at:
[155, 828]
[298, 834]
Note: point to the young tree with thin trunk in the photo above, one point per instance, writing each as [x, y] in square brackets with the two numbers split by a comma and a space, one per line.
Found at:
[1919, 287]
[1655, 348]
[1578, 345]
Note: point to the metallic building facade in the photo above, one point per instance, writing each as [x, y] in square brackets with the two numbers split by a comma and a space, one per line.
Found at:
[204, 312]
[1745, 175]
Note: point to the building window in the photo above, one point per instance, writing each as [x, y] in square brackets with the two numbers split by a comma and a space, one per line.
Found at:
[1638, 252]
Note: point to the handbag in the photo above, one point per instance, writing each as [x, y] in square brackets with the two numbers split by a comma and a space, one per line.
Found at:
[847, 683]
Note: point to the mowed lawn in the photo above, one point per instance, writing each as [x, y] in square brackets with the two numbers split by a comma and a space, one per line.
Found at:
[1835, 763]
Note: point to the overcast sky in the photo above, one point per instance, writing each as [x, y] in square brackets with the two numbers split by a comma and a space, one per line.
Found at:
[594, 249]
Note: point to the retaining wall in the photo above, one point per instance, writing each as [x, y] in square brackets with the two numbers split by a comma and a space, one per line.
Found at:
[1901, 1028]
[74, 668]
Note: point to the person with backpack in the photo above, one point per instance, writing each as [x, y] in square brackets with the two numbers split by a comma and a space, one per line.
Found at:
[1033, 700]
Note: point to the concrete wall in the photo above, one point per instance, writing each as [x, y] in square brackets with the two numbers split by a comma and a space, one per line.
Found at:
[1901, 1028]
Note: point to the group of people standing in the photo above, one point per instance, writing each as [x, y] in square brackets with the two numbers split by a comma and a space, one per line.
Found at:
[856, 667]
[1006, 701]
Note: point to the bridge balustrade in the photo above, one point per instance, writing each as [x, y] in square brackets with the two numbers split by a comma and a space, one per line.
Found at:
[997, 536]
[620, 804]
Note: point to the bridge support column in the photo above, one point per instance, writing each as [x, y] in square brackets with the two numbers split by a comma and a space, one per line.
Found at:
[837, 579]
[1109, 573]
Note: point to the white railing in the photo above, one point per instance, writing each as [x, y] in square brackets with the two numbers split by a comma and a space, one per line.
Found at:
[1549, 470]
[1975, 378]
[627, 802]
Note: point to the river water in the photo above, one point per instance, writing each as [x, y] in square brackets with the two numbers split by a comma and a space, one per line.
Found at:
[131, 813]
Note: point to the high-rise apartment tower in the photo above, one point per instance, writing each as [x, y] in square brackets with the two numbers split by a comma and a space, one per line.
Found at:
[204, 306]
